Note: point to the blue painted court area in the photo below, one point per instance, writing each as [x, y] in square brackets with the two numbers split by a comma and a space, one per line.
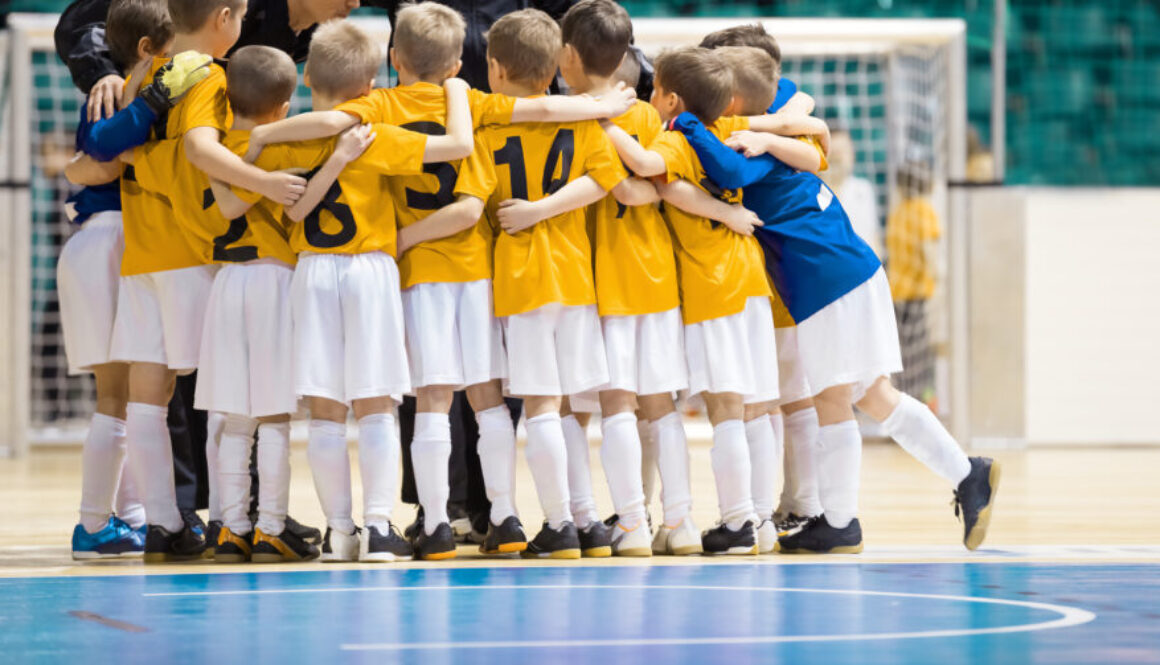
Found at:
[867, 613]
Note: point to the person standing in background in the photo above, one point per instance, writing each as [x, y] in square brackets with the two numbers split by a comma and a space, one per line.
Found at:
[855, 192]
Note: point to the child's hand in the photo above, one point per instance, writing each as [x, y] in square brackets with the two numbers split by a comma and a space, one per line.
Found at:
[742, 220]
[516, 215]
[283, 188]
[620, 100]
[353, 143]
[751, 144]
[257, 144]
[103, 97]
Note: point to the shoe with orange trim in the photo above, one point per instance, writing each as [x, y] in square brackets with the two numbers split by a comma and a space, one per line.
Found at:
[636, 541]
[436, 546]
[232, 547]
[285, 547]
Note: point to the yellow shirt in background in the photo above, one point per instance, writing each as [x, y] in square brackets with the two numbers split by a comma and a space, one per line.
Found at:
[909, 229]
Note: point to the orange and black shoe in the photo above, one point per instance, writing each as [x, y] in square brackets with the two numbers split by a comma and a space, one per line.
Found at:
[506, 538]
[549, 543]
[285, 547]
[436, 546]
[232, 547]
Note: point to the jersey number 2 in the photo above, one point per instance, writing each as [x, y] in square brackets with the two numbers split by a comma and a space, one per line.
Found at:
[222, 252]
[559, 155]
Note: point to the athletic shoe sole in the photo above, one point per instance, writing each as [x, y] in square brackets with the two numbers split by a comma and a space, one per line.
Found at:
[165, 557]
[635, 552]
[93, 556]
[558, 554]
[740, 550]
[383, 557]
[598, 552]
[438, 556]
[979, 532]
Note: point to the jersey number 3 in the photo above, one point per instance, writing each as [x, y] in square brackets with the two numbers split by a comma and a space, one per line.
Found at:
[443, 171]
[559, 155]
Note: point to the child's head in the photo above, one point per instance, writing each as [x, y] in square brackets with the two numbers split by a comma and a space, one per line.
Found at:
[596, 35]
[752, 34]
[259, 83]
[753, 73]
[692, 79]
[218, 21]
[342, 62]
[522, 48]
[428, 42]
[137, 29]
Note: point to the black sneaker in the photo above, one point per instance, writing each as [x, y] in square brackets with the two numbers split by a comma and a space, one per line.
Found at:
[791, 523]
[723, 540]
[973, 500]
[162, 546]
[437, 546]
[818, 537]
[611, 520]
[281, 548]
[303, 532]
[460, 520]
[414, 528]
[211, 537]
[550, 543]
[231, 547]
[384, 547]
[596, 540]
[506, 538]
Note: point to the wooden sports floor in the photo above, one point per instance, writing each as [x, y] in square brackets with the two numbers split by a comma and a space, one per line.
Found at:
[1070, 573]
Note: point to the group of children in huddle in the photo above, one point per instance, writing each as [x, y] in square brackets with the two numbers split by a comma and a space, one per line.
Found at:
[584, 253]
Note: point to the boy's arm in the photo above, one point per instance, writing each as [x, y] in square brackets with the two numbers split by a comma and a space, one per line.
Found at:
[795, 153]
[688, 197]
[795, 124]
[644, 163]
[126, 129]
[228, 203]
[86, 171]
[726, 168]
[303, 127]
[459, 139]
[515, 215]
[800, 103]
[205, 152]
[635, 192]
[464, 213]
[560, 108]
[350, 146]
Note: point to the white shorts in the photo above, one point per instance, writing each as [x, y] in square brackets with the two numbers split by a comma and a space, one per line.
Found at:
[88, 276]
[555, 350]
[452, 337]
[853, 340]
[348, 327]
[791, 373]
[160, 317]
[646, 356]
[735, 353]
[245, 365]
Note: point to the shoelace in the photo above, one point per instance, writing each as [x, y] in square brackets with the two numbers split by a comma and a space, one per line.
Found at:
[957, 502]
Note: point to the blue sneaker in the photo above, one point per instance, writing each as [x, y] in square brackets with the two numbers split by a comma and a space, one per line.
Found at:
[115, 539]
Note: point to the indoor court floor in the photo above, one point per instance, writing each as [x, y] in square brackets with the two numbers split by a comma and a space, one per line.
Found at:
[1070, 573]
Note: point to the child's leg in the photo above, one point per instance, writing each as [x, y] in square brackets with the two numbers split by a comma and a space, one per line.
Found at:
[378, 459]
[103, 455]
[147, 442]
[648, 457]
[497, 447]
[215, 424]
[233, 472]
[583, 500]
[839, 455]
[800, 491]
[274, 472]
[764, 456]
[431, 452]
[730, 454]
[620, 452]
[547, 456]
[672, 455]
[329, 462]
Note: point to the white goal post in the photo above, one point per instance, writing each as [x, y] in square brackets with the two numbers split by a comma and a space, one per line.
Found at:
[898, 85]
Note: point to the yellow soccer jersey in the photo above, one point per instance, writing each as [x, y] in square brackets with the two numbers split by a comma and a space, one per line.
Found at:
[719, 269]
[552, 261]
[636, 271]
[422, 107]
[354, 217]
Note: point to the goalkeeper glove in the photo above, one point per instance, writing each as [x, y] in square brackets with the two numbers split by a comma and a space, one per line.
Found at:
[174, 79]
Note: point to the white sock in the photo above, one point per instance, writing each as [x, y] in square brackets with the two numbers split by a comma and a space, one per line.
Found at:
[128, 502]
[839, 465]
[330, 466]
[620, 454]
[378, 461]
[764, 460]
[799, 494]
[151, 461]
[583, 502]
[668, 434]
[430, 454]
[920, 433]
[732, 471]
[274, 474]
[102, 458]
[777, 421]
[233, 472]
[547, 456]
[648, 461]
[214, 424]
[497, 458]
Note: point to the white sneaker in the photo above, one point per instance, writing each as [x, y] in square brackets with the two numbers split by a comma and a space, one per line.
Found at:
[766, 537]
[631, 542]
[680, 540]
[338, 547]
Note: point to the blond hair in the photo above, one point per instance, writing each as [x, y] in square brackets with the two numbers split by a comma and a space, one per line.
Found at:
[429, 38]
[754, 77]
[526, 44]
[342, 59]
[191, 15]
[701, 78]
[259, 80]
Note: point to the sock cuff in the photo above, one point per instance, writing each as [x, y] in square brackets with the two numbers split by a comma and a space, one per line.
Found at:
[327, 428]
[728, 425]
[839, 427]
[376, 419]
[906, 404]
[279, 428]
[624, 418]
[114, 425]
[240, 425]
[143, 409]
[667, 419]
[544, 418]
[571, 416]
[809, 413]
[431, 420]
[776, 417]
[759, 421]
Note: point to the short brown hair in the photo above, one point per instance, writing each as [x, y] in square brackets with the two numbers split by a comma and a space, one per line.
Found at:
[130, 20]
[429, 38]
[526, 44]
[701, 78]
[342, 59]
[191, 15]
[751, 34]
[600, 31]
[259, 80]
[753, 77]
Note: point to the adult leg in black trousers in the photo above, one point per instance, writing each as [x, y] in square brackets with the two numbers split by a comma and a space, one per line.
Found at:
[187, 431]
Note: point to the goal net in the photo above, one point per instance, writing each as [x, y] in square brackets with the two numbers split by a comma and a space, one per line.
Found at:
[896, 87]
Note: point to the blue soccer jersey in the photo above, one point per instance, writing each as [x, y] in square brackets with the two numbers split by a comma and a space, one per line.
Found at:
[785, 90]
[104, 140]
[812, 252]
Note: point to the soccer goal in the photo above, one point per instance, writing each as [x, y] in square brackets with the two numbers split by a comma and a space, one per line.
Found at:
[897, 86]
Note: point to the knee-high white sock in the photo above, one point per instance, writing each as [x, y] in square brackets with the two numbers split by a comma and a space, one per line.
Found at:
[732, 471]
[583, 503]
[799, 494]
[233, 472]
[430, 452]
[920, 433]
[151, 461]
[102, 458]
[128, 502]
[620, 454]
[330, 466]
[214, 425]
[547, 456]
[648, 461]
[839, 465]
[274, 474]
[668, 434]
[764, 460]
[497, 457]
[378, 461]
